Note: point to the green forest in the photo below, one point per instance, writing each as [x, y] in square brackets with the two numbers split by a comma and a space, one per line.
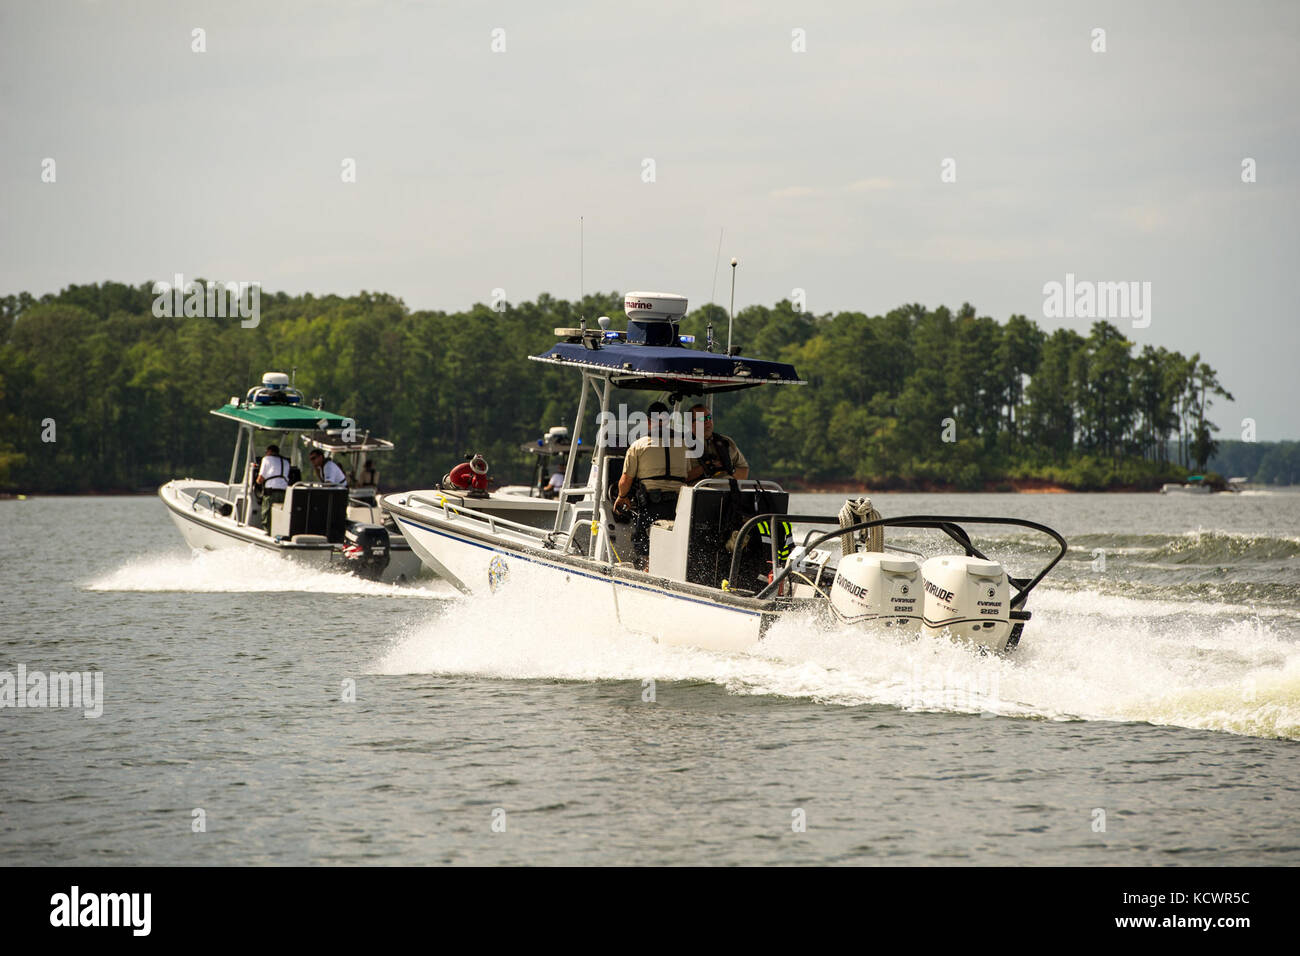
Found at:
[915, 398]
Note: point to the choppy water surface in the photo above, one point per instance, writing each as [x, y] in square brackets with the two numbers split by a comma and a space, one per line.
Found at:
[1159, 683]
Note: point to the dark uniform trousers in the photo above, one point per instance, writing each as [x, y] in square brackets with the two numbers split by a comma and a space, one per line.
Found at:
[270, 495]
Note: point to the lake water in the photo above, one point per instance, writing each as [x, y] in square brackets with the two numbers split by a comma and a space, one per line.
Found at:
[1151, 714]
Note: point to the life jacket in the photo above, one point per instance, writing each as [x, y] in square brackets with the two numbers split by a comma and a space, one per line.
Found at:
[325, 465]
[716, 459]
[290, 473]
[654, 503]
[668, 470]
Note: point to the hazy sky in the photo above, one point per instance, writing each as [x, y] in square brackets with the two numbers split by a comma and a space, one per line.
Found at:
[473, 166]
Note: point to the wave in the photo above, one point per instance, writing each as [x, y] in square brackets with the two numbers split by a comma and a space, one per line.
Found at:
[1084, 657]
[238, 570]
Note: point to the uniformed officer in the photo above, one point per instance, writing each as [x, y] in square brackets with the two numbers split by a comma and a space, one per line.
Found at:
[721, 456]
[273, 476]
[327, 468]
[554, 484]
[654, 470]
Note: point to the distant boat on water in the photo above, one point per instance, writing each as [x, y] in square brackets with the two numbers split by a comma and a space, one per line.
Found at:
[1195, 485]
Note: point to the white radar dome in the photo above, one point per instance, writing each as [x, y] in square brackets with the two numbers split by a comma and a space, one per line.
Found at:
[654, 306]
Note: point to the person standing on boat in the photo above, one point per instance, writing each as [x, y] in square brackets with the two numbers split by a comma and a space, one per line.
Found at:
[273, 476]
[554, 484]
[327, 469]
[654, 470]
[721, 456]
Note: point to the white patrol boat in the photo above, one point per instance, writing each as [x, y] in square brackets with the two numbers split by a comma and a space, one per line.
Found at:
[726, 564]
[324, 525]
[1195, 485]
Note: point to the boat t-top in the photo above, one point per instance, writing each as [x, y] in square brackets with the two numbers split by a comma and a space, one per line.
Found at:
[469, 484]
[325, 525]
[546, 453]
[728, 562]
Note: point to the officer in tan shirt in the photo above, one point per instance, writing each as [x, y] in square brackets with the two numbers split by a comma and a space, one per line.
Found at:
[654, 470]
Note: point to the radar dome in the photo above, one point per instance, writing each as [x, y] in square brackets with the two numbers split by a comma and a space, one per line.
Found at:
[654, 306]
[652, 317]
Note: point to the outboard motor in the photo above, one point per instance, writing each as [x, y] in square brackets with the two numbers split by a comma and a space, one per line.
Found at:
[969, 598]
[366, 549]
[881, 589]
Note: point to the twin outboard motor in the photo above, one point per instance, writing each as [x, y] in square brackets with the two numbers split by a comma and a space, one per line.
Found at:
[969, 598]
[366, 549]
[963, 597]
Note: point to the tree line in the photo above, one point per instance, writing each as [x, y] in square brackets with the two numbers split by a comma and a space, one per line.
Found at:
[917, 397]
[1262, 462]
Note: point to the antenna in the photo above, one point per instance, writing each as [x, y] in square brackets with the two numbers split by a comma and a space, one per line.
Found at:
[582, 278]
[732, 314]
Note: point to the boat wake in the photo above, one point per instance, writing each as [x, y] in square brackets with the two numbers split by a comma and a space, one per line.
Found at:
[239, 570]
[1087, 656]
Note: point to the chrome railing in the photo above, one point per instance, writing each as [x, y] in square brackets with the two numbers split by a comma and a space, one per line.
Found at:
[496, 524]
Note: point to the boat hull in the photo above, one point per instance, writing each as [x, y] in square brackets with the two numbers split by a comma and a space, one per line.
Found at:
[460, 550]
[1172, 489]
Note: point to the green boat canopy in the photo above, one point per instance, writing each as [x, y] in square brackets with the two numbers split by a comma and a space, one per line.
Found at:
[278, 418]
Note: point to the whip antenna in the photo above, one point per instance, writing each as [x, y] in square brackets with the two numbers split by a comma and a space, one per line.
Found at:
[732, 314]
[713, 295]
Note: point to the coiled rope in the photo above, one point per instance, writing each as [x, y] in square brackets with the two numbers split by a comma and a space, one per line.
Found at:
[857, 510]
